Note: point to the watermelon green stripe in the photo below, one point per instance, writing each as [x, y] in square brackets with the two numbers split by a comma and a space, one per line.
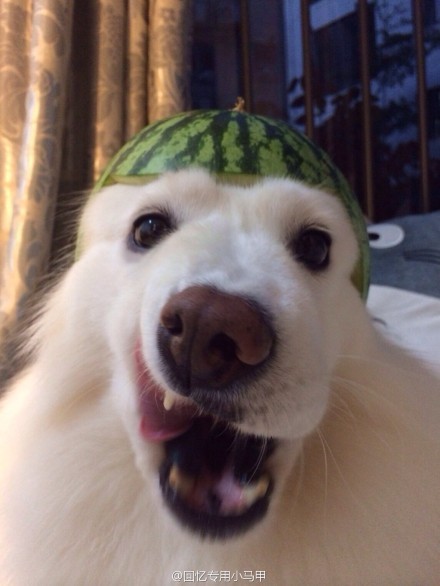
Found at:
[237, 147]
[185, 146]
[183, 142]
[136, 155]
[131, 149]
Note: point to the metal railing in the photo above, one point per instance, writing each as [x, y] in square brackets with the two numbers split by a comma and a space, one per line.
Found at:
[369, 196]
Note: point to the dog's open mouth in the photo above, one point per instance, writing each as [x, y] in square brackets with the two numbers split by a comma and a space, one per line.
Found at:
[213, 477]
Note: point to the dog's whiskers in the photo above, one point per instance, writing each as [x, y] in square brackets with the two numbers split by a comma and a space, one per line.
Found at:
[341, 408]
[370, 361]
[327, 450]
[389, 414]
[260, 459]
[324, 446]
[357, 388]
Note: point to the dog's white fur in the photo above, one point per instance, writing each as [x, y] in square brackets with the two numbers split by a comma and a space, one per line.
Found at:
[357, 471]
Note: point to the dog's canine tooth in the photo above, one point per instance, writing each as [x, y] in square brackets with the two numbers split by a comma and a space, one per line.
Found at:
[256, 490]
[179, 481]
[168, 401]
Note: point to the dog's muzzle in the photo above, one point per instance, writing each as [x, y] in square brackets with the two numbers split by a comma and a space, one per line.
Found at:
[212, 345]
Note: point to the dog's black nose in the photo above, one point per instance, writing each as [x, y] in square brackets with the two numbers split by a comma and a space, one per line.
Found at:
[209, 339]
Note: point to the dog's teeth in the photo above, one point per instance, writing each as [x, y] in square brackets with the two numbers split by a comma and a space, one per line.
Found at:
[179, 481]
[168, 401]
[254, 491]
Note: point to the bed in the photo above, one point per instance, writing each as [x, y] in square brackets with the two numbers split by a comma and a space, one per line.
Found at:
[404, 296]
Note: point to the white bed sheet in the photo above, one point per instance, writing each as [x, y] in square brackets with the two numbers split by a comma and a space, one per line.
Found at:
[412, 319]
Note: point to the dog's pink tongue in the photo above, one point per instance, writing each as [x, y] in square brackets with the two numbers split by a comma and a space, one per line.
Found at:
[157, 423]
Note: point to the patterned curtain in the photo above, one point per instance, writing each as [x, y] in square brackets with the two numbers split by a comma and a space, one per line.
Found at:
[77, 79]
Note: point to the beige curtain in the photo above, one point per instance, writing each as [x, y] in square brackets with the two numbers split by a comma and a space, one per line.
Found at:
[77, 79]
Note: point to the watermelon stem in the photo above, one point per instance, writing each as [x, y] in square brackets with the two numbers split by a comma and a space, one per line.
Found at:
[239, 105]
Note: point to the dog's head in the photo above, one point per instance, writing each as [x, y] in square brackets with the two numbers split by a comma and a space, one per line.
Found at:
[226, 310]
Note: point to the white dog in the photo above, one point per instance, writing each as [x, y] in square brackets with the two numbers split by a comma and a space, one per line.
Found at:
[209, 401]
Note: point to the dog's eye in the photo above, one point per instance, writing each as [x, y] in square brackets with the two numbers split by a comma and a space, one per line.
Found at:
[312, 248]
[149, 229]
